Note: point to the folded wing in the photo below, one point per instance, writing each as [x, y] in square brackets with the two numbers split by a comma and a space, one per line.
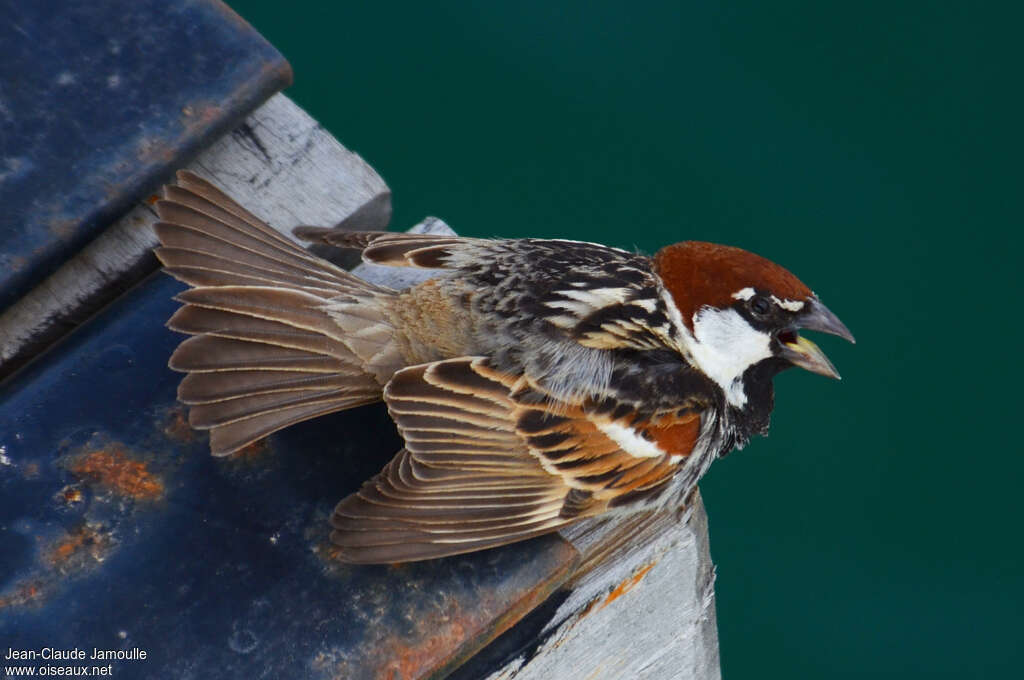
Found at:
[482, 467]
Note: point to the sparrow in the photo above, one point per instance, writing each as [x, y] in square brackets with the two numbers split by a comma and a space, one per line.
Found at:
[535, 382]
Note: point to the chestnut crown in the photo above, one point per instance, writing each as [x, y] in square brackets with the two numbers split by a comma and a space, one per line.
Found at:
[698, 274]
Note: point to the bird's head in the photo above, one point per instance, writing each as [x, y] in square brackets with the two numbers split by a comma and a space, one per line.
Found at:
[742, 312]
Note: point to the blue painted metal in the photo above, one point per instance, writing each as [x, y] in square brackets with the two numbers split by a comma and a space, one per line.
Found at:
[99, 102]
[120, 531]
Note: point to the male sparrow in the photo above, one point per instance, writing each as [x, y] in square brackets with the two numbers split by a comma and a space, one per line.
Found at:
[535, 381]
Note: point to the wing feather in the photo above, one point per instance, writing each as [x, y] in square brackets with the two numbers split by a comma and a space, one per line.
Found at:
[481, 469]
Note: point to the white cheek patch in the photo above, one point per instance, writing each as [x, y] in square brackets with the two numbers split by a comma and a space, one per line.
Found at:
[726, 346]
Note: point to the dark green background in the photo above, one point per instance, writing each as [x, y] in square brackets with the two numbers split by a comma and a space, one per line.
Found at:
[872, 148]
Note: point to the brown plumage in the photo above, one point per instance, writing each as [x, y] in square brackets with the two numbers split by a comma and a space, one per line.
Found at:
[535, 382]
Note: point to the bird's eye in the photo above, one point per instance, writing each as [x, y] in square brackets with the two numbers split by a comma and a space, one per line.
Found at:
[759, 305]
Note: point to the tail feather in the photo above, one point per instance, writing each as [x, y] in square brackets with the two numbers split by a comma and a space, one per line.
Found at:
[296, 308]
[209, 353]
[209, 238]
[269, 349]
[208, 388]
[217, 323]
[207, 416]
[202, 269]
[229, 437]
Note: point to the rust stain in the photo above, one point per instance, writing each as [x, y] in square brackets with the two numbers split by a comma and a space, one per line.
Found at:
[445, 641]
[111, 468]
[76, 551]
[24, 593]
[433, 643]
[589, 608]
[71, 495]
[79, 549]
[152, 199]
[626, 585]
[432, 639]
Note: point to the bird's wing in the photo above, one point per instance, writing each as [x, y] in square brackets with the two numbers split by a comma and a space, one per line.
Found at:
[601, 297]
[391, 248]
[482, 469]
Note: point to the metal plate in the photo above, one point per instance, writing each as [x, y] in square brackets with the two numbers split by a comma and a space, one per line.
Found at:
[99, 102]
[121, 532]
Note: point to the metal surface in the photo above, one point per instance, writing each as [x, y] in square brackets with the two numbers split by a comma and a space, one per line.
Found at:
[99, 102]
[121, 532]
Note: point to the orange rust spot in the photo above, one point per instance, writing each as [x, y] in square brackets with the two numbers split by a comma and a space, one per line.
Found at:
[23, 593]
[152, 198]
[66, 549]
[626, 585]
[111, 468]
[76, 551]
[71, 495]
[79, 548]
[429, 649]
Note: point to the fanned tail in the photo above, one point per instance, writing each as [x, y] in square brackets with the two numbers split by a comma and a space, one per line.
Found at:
[266, 352]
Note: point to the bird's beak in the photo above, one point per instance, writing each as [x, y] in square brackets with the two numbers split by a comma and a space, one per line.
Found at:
[802, 352]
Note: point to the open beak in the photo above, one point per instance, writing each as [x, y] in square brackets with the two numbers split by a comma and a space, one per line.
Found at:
[802, 352]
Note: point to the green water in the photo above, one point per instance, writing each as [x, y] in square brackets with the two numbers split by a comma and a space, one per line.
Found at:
[872, 148]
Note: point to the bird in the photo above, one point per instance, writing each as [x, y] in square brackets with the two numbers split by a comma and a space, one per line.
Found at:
[535, 382]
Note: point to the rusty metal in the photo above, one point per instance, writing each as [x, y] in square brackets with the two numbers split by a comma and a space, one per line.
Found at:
[112, 469]
[115, 518]
[101, 102]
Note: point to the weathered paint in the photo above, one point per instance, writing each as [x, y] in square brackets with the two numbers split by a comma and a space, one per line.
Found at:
[230, 556]
[111, 97]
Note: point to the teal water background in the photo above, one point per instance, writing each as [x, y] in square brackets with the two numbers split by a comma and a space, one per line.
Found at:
[872, 148]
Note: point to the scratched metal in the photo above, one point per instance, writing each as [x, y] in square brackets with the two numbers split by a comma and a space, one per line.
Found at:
[99, 102]
[120, 531]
